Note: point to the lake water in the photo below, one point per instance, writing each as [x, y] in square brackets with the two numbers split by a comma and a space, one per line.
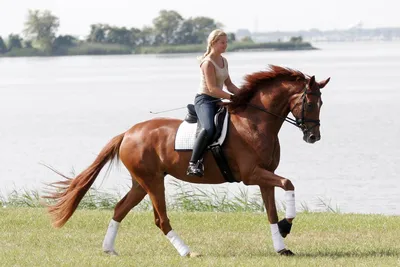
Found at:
[62, 111]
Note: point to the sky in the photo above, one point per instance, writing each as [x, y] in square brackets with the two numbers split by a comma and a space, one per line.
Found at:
[255, 15]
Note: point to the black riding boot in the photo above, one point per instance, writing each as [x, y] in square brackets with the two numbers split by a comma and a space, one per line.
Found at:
[196, 167]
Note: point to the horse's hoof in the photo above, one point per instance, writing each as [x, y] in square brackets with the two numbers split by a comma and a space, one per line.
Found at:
[286, 252]
[193, 255]
[111, 252]
[284, 227]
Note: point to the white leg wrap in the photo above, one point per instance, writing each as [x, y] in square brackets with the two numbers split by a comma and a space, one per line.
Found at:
[290, 204]
[277, 239]
[178, 243]
[109, 239]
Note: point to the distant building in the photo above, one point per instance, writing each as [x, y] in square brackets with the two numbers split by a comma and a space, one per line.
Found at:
[353, 34]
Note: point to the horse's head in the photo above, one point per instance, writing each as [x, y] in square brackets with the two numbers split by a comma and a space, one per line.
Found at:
[305, 107]
[280, 90]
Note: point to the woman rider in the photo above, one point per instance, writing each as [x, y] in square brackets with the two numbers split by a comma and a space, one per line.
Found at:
[214, 74]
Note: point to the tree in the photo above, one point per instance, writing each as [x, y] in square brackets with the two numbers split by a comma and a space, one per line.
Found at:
[186, 33]
[196, 30]
[103, 33]
[136, 36]
[115, 35]
[203, 26]
[3, 47]
[231, 37]
[146, 36]
[97, 34]
[14, 41]
[166, 26]
[64, 41]
[41, 27]
[27, 44]
[296, 39]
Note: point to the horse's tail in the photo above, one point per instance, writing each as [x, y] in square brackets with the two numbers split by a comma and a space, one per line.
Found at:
[71, 191]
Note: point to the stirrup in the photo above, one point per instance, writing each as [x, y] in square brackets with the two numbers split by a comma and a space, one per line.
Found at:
[195, 169]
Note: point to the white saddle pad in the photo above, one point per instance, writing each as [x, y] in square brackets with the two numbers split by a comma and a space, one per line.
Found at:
[186, 134]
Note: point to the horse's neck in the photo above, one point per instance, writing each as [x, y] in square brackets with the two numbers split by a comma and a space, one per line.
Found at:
[259, 129]
[266, 123]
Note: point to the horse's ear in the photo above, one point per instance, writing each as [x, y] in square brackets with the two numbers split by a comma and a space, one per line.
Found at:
[311, 82]
[323, 83]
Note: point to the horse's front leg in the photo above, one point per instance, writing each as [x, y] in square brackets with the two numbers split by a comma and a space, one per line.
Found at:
[267, 181]
[268, 196]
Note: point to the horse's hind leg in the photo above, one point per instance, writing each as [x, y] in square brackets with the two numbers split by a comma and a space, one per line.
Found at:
[156, 192]
[130, 200]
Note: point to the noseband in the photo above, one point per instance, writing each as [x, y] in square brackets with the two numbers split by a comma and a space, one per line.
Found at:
[299, 123]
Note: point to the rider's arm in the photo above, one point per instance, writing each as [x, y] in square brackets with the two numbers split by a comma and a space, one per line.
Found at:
[230, 86]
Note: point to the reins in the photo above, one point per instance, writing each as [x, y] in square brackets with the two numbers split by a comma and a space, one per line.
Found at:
[287, 119]
[299, 123]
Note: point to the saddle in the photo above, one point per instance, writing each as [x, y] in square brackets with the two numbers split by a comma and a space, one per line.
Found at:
[219, 117]
[221, 127]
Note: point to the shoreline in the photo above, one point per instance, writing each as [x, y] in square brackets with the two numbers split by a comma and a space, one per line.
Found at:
[95, 49]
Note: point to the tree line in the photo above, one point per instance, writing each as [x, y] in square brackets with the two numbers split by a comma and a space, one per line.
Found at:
[169, 28]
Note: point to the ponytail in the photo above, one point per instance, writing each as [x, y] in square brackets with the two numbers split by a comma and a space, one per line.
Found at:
[208, 51]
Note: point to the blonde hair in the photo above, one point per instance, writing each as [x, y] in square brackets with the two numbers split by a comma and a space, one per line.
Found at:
[212, 38]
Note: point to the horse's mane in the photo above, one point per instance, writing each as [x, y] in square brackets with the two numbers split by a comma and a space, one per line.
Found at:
[254, 81]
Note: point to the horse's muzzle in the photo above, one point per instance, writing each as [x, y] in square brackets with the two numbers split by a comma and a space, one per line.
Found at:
[311, 138]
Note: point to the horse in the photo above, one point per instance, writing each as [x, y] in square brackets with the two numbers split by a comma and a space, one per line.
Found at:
[252, 151]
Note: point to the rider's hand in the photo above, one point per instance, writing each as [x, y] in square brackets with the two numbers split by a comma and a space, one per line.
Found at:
[233, 98]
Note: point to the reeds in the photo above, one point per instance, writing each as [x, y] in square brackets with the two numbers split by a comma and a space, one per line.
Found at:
[185, 197]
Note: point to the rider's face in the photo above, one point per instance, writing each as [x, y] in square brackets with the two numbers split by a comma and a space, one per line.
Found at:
[221, 44]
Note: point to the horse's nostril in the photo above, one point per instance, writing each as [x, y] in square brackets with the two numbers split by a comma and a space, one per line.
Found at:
[313, 137]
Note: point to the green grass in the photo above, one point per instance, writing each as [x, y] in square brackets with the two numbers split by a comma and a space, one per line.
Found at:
[98, 49]
[224, 239]
[85, 48]
[235, 46]
[24, 52]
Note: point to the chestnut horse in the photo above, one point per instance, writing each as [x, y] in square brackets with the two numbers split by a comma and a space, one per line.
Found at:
[252, 150]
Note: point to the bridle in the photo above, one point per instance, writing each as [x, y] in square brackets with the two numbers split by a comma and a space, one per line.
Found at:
[300, 122]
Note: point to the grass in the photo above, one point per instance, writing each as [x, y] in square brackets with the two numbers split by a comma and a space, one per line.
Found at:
[87, 48]
[224, 239]
[229, 230]
[235, 46]
[98, 49]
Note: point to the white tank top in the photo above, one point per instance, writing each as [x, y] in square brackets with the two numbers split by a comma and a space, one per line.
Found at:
[220, 73]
